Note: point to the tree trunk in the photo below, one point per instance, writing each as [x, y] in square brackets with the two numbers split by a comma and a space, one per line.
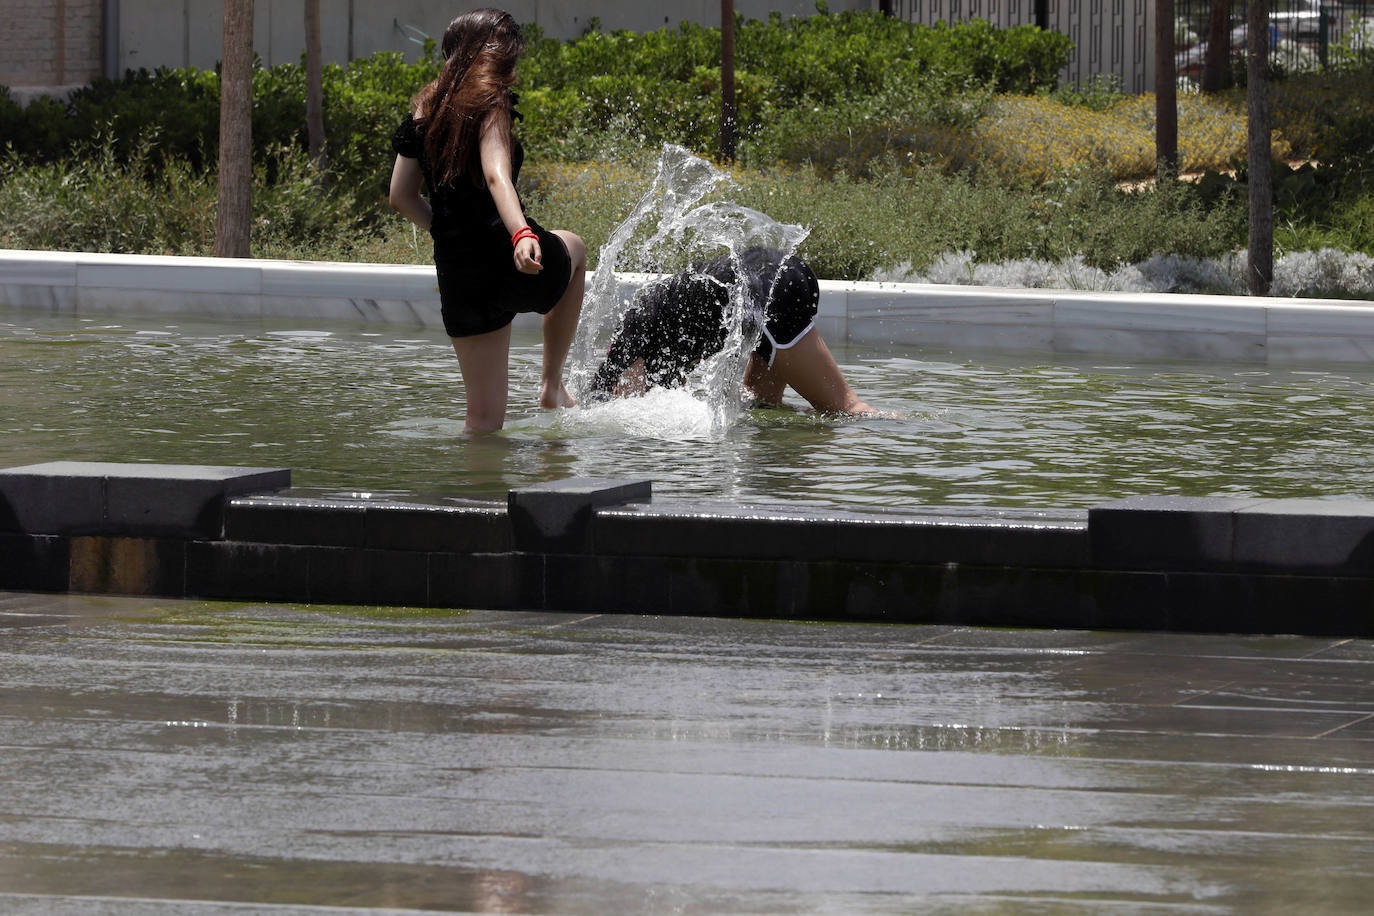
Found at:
[1166, 93]
[314, 86]
[727, 80]
[1218, 63]
[1260, 263]
[233, 220]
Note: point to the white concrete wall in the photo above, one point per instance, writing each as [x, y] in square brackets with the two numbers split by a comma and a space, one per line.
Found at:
[893, 315]
[179, 33]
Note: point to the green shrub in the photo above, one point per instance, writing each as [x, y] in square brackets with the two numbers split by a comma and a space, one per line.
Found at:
[103, 201]
[664, 86]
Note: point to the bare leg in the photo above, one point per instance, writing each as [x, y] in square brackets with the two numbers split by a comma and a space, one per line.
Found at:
[560, 324]
[485, 362]
[812, 372]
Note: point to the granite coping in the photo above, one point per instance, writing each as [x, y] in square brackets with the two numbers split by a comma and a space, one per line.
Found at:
[87, 497]
[1300, 536]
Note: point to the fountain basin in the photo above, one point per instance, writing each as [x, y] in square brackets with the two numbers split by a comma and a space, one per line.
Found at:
[1146, 563]
[1158, 326]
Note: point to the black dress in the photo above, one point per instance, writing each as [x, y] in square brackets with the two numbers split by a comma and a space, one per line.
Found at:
[480, 288]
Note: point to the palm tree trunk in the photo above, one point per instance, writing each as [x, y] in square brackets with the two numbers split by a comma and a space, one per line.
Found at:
[727, 80]
[234, 218]
[1260, 262]
[1166, 93]
[314, 86]
[1214, 68]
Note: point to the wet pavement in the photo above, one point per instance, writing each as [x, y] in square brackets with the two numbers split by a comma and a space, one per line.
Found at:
[162, 756]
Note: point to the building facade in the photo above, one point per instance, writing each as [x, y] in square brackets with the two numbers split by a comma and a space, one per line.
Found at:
[55, 45]
[1110, 37]
[50, 44]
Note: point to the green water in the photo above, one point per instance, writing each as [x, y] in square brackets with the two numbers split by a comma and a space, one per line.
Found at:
[380, 409]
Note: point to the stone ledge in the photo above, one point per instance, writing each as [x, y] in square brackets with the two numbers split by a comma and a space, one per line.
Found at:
[86, 497]
[381, 523]
[1154, 563]
[935, 535]
[1324, 537]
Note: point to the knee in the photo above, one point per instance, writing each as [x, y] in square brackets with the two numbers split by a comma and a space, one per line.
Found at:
[577, 249]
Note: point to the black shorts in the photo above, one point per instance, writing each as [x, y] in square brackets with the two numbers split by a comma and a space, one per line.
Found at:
[480, 289]
[791, 307]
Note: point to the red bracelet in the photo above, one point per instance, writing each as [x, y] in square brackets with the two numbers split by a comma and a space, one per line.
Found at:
[524, 233]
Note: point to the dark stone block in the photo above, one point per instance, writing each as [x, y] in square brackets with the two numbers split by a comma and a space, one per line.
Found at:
[487, 581]
[880, 592]
[555, 517]
[1019, 597]
[989, 540]
[1128, 600]
[718, 531]
[763, 532]
[722, 587]
[1306, 535]
[37, 502]
[808, 590]
[76, 497]
[34, 562]
[295, 520]
[1165, 532]
[257, 572]
[438, 528]
[605, 585]
[341, 575]
[1246, 603]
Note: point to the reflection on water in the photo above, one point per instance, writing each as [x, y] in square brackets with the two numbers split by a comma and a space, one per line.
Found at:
[381, 409]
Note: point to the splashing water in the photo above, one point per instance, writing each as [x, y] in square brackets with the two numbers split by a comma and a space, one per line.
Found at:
[671, 230]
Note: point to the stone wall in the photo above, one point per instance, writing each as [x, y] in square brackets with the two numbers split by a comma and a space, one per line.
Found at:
[49, 43]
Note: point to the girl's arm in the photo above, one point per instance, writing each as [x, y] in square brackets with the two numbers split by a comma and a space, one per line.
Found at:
[496, 167]
[405, 199]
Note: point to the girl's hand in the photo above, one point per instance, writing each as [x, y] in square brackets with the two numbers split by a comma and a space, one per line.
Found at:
[528, 256]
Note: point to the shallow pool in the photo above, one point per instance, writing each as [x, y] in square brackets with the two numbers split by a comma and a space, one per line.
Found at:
[380, 409]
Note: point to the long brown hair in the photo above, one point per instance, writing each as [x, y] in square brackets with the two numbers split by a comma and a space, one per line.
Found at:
[480, 49]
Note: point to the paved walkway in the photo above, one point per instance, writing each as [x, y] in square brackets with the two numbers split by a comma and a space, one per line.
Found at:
[184, 757]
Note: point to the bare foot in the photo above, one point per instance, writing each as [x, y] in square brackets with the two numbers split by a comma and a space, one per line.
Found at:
[556, 397]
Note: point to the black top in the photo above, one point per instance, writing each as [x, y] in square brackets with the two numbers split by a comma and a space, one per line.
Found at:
[459, 206]
[480, 288]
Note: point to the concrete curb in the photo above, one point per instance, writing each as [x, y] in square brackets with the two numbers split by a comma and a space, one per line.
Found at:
[927, 316]
[1145, 563]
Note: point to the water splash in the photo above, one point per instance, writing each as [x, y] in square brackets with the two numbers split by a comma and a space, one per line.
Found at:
[669, 230]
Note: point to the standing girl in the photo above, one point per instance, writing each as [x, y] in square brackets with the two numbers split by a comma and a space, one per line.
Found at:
[491, 261]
